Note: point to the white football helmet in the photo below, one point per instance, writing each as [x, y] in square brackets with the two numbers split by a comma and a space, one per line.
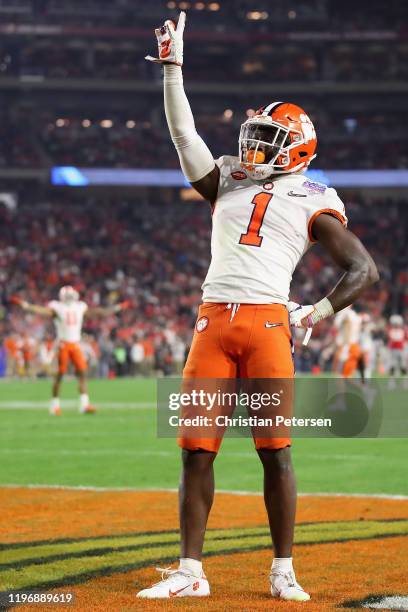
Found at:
[68, 294]
[396, 320]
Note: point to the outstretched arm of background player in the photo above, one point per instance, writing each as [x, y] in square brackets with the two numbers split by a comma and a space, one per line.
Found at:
[196, 160]
[43, 311]
[102, 311]
[349, 254]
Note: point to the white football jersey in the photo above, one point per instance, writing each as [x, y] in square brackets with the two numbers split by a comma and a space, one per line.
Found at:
[68, 319]
[260, 231]
[348, 324]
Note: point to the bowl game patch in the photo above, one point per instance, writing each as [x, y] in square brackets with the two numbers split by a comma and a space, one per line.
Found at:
[314, 188]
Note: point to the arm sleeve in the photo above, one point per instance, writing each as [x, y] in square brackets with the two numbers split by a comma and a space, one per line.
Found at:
[195, 158]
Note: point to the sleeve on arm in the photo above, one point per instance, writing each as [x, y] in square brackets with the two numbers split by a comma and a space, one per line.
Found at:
[329, 204]
[196, 159]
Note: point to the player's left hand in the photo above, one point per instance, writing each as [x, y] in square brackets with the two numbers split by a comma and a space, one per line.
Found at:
[18, 301]
[170, 42]
[299, 316]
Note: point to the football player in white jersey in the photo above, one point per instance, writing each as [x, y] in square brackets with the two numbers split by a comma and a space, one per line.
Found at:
[266, 214]
[349, 355]
[68, 313]
[397, 343]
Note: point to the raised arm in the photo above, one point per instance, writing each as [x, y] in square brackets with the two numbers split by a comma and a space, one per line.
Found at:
[106, 311]
[196, 160]
[350, 255]
[43, 311]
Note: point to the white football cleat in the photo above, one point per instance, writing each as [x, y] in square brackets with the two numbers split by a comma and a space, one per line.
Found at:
[55, 411]
[284, 586]
[176, 583]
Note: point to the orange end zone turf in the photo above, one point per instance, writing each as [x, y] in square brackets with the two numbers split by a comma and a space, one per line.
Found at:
[370, 560]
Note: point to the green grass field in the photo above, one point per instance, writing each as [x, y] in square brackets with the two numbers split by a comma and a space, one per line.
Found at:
[119, 447]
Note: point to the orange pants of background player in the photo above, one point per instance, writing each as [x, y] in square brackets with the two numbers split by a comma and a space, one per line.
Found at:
[70, 351]
[352, 361]
[248, 342]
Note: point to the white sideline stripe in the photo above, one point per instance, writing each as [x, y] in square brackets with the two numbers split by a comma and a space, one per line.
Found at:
[39, 405]
[174, 490]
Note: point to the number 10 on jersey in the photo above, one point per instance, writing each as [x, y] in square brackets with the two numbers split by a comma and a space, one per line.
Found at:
[260, 203]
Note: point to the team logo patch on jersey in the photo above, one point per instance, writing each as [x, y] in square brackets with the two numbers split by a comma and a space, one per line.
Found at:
[202, 324]
[268, 185]
[314, 187]
[239, 175]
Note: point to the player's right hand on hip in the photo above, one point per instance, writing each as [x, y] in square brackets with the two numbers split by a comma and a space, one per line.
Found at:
[170, 42]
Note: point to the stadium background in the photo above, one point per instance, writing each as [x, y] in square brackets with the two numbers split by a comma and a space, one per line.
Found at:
[76, 93]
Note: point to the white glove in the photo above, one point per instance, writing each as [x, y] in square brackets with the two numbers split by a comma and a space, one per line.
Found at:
[299, 315]
[170, 42]
[307, 316]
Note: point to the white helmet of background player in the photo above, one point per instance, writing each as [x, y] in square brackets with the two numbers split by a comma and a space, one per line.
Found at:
[68, 294]
[279, 139]
[396, 320]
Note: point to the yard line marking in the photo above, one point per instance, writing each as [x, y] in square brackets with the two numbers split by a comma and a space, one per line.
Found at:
[68, 404]
[174, 490]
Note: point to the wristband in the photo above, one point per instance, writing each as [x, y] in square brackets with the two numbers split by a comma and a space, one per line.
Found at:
[322, 310]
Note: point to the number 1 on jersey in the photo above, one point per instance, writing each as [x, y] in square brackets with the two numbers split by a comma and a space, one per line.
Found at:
[261, 203]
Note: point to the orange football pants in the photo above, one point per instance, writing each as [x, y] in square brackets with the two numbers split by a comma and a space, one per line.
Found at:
[70, 352]
[352, 360]
[246, 341]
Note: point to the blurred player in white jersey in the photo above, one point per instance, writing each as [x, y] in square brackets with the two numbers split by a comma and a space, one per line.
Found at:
[266, 215]
[367, 345]
[349, 355]
[397, 344]
[68, 313]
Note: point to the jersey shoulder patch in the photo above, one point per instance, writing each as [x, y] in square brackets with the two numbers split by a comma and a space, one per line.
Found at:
[313, 187]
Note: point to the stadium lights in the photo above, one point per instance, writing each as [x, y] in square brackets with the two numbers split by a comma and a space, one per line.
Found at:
[228, 114]
[250, 112]
[171, 5]
[106, 123]
[86, 123]
[292, 14]
[199, 6]
[214, 6]
[184, 6]
[130, 124]
[60, 122]
[257, 15]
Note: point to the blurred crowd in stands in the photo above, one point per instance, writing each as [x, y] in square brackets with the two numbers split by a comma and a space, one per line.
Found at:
[68, 98]
[314, 13]
[41, 139]
[156, 255]
[124, 60]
